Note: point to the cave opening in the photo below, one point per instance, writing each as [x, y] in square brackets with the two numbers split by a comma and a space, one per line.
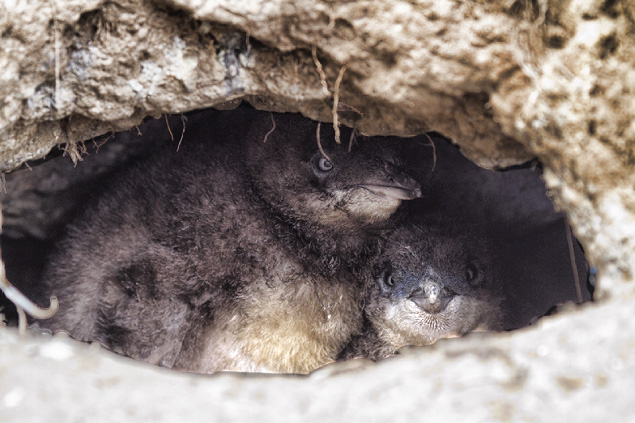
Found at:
[537, 262]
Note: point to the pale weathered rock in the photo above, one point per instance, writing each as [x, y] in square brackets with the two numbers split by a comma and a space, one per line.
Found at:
[579, 368]
[118, 61]
[507, 80]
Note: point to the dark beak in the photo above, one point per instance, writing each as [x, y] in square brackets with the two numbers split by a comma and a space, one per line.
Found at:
[432, 297]
[393, 183]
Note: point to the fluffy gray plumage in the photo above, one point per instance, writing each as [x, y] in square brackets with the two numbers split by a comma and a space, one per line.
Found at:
[432, 281]
[235, 254]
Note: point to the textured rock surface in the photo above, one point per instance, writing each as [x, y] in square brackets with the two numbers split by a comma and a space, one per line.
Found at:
[93, 66]
[538, 374]
[506, 80]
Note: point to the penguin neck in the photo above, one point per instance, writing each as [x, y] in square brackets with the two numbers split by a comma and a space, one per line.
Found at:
[327, 246]
[349, 244]
[331, 249]
[325, 249]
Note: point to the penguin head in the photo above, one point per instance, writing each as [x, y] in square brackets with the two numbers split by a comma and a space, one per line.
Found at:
[322, 182]
[431, 283]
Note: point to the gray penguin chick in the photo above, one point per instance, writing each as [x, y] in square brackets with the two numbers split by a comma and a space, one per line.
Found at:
[432, 281]
[246, 253]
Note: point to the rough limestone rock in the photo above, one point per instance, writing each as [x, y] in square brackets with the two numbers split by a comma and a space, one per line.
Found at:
[507, 80]
[535, 375]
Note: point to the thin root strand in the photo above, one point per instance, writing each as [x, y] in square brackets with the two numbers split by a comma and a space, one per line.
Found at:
[183, 121]
[336, 100]
[351, 139]
[434, 152]
[319, 144]
[273, 128]
[320, 70]
[169, 129]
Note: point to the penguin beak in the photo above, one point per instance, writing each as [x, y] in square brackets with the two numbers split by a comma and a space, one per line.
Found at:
[393, 183]
[398, 193]
[432, 297]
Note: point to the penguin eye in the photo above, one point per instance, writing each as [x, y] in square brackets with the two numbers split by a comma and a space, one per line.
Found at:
[388, 279]
[471, 274]
[324, 164]
[384, 278]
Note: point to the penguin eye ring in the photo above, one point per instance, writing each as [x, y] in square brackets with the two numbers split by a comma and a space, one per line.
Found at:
[388, 279]
[471, 273]
[325, 164]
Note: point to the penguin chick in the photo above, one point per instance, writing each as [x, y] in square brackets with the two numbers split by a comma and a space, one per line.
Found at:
[430, 282]
[244, 251]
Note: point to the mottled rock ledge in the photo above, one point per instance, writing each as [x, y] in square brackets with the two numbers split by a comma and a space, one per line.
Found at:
[577, 368]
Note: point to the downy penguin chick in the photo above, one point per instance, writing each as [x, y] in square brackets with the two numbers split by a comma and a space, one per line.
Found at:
[247, 253]
[431, 282]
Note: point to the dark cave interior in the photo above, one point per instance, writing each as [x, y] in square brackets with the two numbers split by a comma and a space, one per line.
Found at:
[530, 245]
